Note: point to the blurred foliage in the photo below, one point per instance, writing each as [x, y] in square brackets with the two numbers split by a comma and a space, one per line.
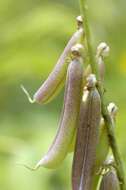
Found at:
[33, 33]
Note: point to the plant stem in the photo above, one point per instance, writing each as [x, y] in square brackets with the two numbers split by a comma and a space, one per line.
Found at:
[83, 10]
[113, 143]
[95, 182]
[107, 118]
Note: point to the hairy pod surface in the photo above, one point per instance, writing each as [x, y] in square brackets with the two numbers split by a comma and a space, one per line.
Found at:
[69, 117]
[55, 81]
[87, 140]
[110, 181]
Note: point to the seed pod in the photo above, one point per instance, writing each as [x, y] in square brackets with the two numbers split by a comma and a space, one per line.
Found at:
[55, 81]
[102, 148]
[110, 181]
[77, 50]
[113, 110]
[101, 68]
[101, 153]
[79, 20]
[87, 139]
[72, 144]
[69, 117]
[102, 52]
[87, 72]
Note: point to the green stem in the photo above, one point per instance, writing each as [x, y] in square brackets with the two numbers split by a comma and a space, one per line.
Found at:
[113, 143]
[107, 118]
[95, 182]
[89, 49]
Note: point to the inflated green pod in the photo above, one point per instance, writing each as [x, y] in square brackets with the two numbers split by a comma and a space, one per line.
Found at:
[72, 144]
[102, 148]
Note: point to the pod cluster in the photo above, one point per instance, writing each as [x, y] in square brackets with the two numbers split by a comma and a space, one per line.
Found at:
[81, 129]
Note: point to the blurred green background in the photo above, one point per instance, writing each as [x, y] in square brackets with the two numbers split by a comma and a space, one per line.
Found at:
[33, 33]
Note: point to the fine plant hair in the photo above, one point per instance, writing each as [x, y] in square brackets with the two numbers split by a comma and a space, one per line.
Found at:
[87, 122]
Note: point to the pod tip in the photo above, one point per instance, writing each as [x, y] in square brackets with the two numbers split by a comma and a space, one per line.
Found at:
[79, 20]
[38, 165]
[109, 160]
[112, 109]
[91, 81]
[42, 162]
[77, 50]
[27, 94]
[103, 50]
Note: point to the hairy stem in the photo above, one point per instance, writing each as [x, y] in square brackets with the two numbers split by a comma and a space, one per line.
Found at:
[107, 118]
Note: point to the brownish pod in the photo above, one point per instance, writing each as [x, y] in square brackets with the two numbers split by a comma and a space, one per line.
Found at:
[69, 118]
[110, 181]
[87, 140]
[55, 81]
